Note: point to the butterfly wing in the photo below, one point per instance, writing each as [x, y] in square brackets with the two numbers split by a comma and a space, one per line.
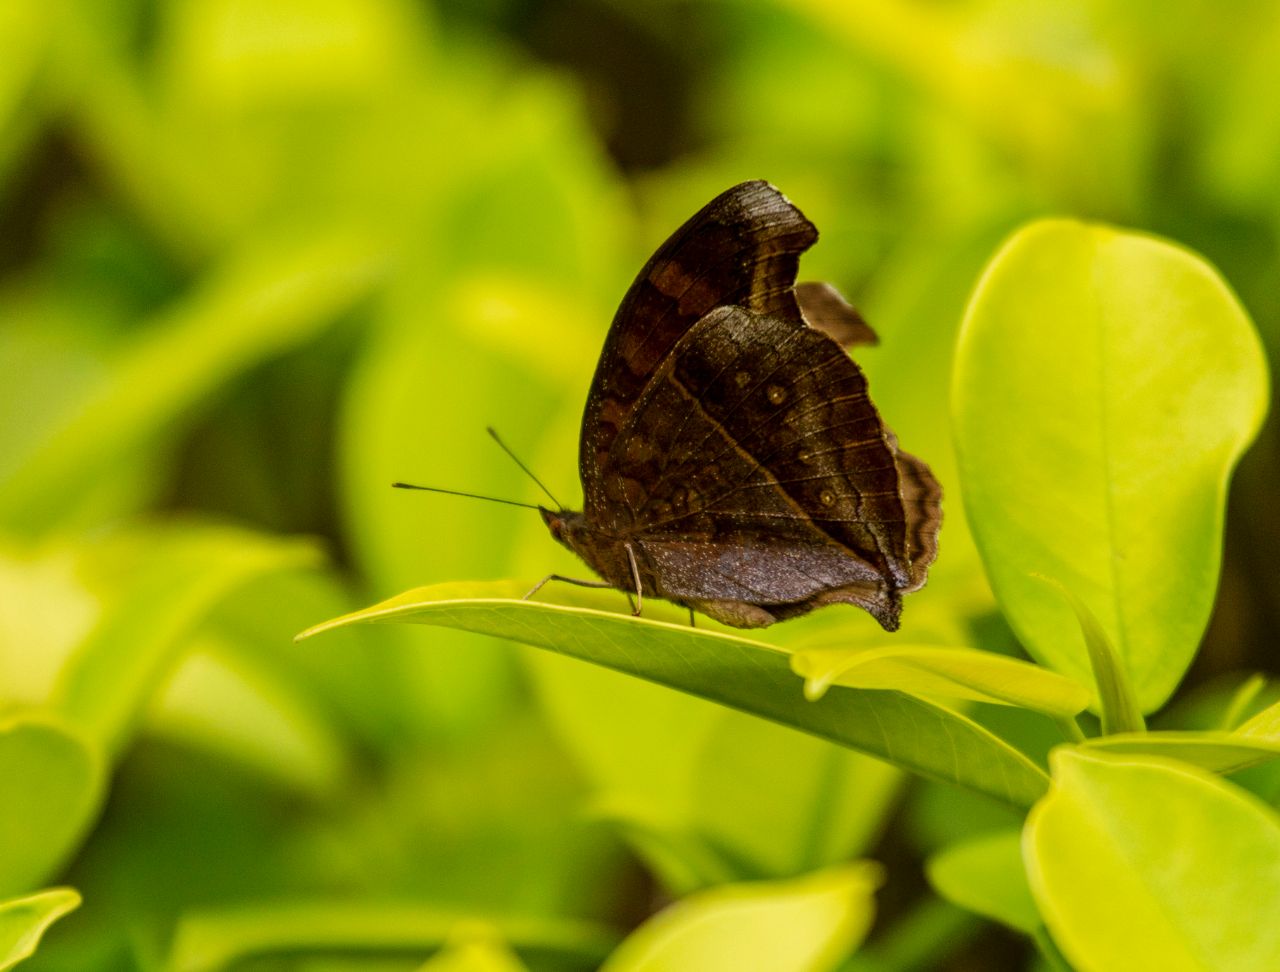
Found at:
[730, 440]
[823, 308]
[754, 462]
[742, 248]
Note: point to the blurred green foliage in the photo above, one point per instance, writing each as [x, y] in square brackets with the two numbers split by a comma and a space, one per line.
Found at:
[262, 257]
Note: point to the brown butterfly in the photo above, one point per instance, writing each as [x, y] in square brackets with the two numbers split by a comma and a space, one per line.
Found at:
[731, 460]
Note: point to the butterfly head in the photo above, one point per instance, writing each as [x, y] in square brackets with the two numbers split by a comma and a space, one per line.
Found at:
[556, 521]
[566, 526]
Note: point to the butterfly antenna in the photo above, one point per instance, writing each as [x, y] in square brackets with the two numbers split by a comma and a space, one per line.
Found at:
[528, 472]
[454, 492]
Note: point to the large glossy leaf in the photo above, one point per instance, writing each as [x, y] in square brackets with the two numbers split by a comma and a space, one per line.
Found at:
[749, 675]
[947, 672]
[52, 781]
[23, 922]
[807, 924]
[1145, 864]
[172, 580]
[209, 941]
[1105, 385]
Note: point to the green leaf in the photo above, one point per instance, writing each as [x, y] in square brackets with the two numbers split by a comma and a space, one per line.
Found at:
[985, 875]
[948, 672]
[1120, 709]
[1242, 700]
[808, 924]
[53, 789]
[1143, 864]
[23, 922]
[276, 730]
[209, 941]
[477, 953]
[824, 805]
[1106, 383]
[174, 578]
[1218, 752]
[683, 861]
[747, 675]
[274, 296]
[711, 822]
[24, 43]
[1264, 725]
[982, 68]
[680, 776]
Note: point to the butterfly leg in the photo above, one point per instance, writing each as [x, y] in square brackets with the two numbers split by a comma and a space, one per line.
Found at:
[692, 623]
[635, 576]
[567, 580]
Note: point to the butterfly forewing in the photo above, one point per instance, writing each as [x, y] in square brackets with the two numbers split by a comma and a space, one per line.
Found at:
[742, 248]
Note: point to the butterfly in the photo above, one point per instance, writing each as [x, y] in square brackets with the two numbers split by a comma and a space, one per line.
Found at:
[731, 459]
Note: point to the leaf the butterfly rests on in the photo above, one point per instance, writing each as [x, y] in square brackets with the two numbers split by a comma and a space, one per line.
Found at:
[731, 459]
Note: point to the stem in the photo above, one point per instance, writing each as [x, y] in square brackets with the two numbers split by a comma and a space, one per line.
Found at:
[1070, 728]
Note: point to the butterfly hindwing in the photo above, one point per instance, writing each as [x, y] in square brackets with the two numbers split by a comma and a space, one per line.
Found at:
[760, 427]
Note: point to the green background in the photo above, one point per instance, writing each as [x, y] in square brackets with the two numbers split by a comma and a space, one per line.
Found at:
[260, 258]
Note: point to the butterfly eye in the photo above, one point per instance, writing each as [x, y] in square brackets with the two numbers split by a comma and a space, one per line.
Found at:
[554, 523]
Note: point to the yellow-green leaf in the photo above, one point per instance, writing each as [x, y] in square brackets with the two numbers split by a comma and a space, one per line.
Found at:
[735, 671]
[52, 782]
[808, 924]
[948, 672]
[174, 578]
[1218, 752]
[23, 922]
[1120, 709]
[985, 875]
[476, 952]
[1264, 725]
[1106, 383]
[276, 295]
[1148, 865]
[216, 939]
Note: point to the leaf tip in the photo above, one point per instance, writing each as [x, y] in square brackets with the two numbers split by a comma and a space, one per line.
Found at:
[314, 630]
[815, 688]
